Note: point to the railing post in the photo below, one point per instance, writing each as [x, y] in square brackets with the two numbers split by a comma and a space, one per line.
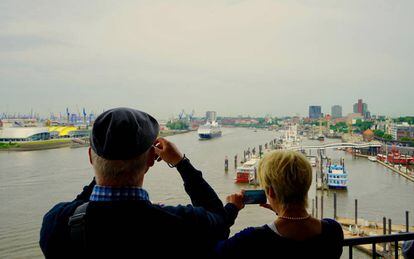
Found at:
[396, 249]
[334, 205]
[350, 252]
[389, 233]
[356, 212]
[374, 250]
[316, 206]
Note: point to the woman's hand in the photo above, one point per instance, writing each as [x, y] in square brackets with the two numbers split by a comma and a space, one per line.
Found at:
[268, 206]
[236, 199]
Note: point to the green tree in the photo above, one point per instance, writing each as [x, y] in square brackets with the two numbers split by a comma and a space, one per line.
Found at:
[407, 139]
[387, 137]
[177, 125]
[379, 133]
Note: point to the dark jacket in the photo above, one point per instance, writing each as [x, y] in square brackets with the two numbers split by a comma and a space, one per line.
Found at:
[137, 228]
[263, 242]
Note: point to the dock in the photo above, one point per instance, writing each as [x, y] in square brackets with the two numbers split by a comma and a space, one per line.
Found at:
[371, 228]
[406, 175]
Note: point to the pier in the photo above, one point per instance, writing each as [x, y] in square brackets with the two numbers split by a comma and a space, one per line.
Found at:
[360, 229]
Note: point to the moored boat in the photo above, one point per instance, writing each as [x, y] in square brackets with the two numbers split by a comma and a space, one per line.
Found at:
[337, 177]
[247, 172]
[372, 158]
[395, 157]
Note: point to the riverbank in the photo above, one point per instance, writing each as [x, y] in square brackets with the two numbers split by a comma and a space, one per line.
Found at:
[408, 175]
[66, 142]
[166, 133]
[36, 145]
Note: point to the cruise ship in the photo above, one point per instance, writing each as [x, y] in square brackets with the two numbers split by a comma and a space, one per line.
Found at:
[209, 130]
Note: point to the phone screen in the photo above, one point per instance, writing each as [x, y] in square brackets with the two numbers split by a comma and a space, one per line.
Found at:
[254, 197]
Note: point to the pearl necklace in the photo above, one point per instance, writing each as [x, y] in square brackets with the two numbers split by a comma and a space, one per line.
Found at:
[295, 218]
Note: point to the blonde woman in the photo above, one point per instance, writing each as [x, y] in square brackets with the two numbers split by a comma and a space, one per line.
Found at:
[286, 177]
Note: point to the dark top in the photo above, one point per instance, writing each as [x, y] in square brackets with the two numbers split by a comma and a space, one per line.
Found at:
[263, 242]
[138, 228]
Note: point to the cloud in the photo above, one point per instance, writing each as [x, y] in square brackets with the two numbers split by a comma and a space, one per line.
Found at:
[11, 43]
[234, 56]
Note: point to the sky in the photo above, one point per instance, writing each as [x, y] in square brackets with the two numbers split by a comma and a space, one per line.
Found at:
[253, 58]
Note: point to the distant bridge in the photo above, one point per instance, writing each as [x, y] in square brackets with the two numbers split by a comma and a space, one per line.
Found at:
[337, 145]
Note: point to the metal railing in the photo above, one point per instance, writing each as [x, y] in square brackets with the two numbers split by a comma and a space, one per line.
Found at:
[374, 240]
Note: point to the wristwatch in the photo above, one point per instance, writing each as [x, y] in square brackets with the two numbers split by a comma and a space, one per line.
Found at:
[180, 162]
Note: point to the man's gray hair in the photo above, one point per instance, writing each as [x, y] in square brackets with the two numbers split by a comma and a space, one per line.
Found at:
[118, 170]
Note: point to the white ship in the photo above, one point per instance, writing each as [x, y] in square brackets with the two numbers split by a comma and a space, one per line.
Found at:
[209, 130]
[337, 176]
[290, 137]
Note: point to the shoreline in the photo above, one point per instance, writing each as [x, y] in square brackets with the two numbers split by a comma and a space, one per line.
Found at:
[63, 143]
[409, 177]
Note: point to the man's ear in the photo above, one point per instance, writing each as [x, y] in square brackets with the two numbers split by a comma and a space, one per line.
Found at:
[90, 156]
[151, 157]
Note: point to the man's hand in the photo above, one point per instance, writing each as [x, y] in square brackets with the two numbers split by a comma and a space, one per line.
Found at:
[236, 199]
[167, 151]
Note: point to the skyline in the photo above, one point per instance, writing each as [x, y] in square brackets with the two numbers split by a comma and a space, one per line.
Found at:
[184, 113]
[234, 57]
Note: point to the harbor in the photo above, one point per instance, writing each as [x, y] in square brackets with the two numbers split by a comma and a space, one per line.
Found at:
[28, 177]
[331, 178]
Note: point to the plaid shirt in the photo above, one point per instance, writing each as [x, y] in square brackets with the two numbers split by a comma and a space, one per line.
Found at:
[106, 193]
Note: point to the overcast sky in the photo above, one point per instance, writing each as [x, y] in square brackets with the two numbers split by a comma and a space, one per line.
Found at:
[235, 57]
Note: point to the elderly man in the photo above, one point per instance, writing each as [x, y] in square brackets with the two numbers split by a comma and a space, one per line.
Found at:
[113, 216]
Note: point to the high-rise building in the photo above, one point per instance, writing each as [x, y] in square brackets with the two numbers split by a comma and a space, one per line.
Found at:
[336, 111]
[211, 116]
[315, 112]
[362, 108]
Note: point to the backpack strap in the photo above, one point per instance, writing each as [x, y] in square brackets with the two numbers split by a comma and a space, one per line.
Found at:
[77, 226]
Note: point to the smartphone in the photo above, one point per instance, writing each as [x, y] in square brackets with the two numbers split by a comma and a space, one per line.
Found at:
[254, 197]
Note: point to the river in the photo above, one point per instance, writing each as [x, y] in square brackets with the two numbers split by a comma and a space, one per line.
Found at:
[32, 182]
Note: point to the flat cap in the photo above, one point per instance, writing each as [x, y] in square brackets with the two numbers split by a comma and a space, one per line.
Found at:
[123, 133]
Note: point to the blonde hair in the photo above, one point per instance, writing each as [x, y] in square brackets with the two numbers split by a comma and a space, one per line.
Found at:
[289, 174]
[125, 171]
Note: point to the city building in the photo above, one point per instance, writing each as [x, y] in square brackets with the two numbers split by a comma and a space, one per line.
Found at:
[368, 135]
[211, 116]
[403, 130]
[353, 117]
[336, 111]
[362, 108]
[315, 112]
[19, 134]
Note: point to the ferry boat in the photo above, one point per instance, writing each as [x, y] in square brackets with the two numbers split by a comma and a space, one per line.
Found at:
[337, 177]
[209, 130]
[247, 172]
[395, 157]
